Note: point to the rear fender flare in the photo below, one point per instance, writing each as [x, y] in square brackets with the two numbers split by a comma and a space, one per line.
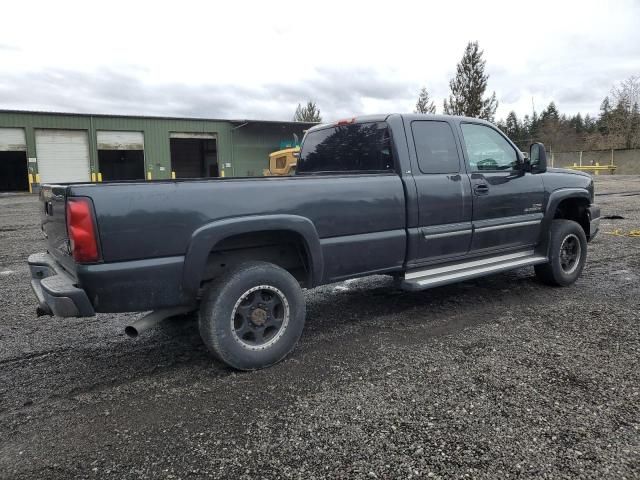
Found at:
[205, 238]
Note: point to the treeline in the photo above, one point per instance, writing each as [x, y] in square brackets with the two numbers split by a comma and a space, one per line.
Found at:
[616, 126]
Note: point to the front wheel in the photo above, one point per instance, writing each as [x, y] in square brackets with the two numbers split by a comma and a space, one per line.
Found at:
[253, 316]
[567, 254]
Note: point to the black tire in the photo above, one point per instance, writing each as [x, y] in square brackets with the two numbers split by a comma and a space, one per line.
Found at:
[253, 316]
[562, 270]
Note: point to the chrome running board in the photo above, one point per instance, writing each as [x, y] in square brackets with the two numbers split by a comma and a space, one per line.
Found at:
[457, 272]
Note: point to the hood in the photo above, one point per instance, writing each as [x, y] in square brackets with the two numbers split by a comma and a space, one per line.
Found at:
[569, 171]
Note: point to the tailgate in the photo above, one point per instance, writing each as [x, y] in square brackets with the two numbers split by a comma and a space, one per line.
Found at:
[54, 223]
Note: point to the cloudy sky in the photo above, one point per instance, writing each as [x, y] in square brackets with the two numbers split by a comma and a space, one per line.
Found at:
[241, 59]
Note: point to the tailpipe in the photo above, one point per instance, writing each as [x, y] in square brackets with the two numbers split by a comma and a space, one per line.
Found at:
[152, 319]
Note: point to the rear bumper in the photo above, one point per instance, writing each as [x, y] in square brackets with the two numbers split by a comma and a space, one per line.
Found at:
[55, 290]
[594, 221]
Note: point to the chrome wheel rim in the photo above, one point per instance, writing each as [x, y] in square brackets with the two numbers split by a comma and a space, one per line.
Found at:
[570, 253]
[260, 317]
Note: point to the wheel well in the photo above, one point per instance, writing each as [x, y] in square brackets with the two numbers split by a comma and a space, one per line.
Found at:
[284, 248]
[574, 209]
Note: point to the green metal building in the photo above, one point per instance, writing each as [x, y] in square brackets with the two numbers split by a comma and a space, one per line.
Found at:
[39, 147]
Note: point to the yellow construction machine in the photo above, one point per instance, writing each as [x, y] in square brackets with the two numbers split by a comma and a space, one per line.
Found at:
[283, 162]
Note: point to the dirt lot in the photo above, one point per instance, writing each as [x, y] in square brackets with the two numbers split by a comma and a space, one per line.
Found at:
[495, 378]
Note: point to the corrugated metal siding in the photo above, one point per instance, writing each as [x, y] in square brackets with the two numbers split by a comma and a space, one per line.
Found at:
[63, 155]
[12, 140]
[119, 140]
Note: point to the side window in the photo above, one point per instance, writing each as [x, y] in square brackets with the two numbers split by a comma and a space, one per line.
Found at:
[487, 149]
[435, 147]
[355, 148]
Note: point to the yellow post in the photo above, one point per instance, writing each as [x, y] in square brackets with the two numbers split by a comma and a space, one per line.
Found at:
[173, 175]
[93, 177]
[37, 178]
[149, 175]
[597, 171]
[221, 173]
[30, 183]
[99, 176]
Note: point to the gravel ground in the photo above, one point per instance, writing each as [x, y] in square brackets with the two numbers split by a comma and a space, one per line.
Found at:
[495, 378]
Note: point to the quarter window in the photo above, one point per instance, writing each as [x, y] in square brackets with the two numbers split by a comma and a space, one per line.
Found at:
[435, 147]
[487, 149]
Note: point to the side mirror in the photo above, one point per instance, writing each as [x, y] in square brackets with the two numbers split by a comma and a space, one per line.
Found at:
[537, 158]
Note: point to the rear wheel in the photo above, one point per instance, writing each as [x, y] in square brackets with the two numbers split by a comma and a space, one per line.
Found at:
[567, 254]
[253, 316]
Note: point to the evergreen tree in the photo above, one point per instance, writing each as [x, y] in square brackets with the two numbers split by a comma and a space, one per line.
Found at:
[550, 113]
[526, 129]
[605, 116]
[424, 103]
[590, 124]
[535, 126]
[513, 127]
[577, 123]
[308, 113]
[469, 86]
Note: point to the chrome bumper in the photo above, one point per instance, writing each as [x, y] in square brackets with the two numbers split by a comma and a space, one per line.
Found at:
[55, 290]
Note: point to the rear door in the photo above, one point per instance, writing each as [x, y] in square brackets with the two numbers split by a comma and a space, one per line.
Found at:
[507, 202]
[443, 192]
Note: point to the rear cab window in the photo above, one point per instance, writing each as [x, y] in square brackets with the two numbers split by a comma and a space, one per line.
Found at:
[351, 148]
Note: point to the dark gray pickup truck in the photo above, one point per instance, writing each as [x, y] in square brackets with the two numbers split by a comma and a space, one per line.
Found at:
[429, 200]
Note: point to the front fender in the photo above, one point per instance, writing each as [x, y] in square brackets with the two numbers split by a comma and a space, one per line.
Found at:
[205, 238]
[555, 198]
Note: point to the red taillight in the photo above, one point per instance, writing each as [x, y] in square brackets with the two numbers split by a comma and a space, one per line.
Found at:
[346, 121]
[82, 232]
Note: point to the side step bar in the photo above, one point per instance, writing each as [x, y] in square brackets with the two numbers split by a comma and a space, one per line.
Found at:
[457, 272]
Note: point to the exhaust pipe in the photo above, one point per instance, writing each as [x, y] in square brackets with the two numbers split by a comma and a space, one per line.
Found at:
[43, 311]
[152, 319]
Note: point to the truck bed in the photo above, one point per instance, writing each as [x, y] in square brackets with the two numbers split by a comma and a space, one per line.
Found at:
[149, 227]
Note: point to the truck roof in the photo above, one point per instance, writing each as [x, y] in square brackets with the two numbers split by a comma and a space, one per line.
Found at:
[406, 116]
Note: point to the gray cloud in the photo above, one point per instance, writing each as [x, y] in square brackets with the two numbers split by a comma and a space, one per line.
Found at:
[337, 92]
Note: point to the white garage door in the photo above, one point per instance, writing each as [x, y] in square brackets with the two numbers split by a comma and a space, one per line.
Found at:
[63, 156]
[112, 140]
[12, 140]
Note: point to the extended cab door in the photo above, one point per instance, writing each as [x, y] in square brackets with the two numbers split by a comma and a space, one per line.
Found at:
[443, 192]
[507, 202]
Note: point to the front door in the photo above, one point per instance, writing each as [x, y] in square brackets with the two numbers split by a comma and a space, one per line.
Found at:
[507, 202]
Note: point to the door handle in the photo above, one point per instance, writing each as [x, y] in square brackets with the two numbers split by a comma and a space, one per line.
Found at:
[481, 189]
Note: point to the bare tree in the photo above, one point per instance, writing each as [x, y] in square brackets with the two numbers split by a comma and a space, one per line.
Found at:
[624, 118]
